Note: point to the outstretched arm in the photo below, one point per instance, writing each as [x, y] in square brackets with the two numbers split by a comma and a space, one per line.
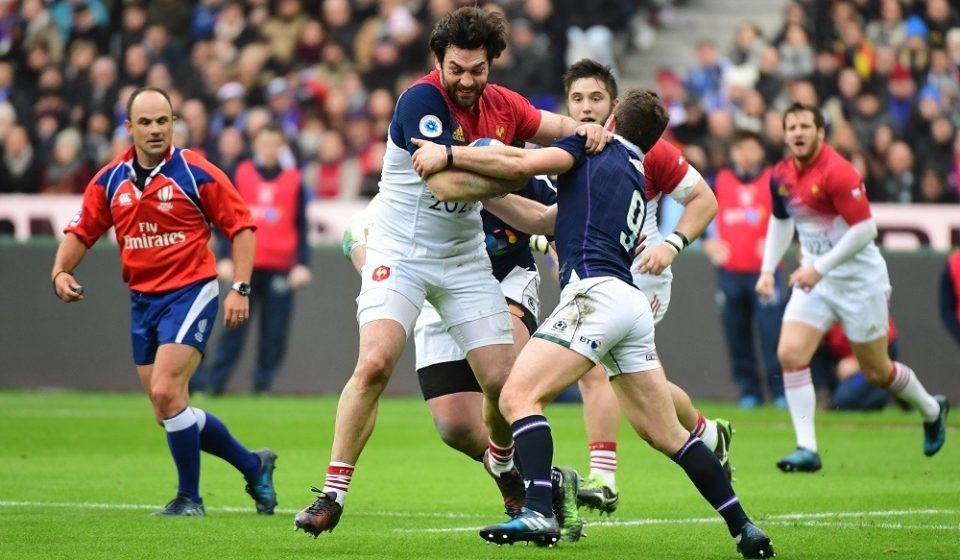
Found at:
[528, 216]
[498, 161]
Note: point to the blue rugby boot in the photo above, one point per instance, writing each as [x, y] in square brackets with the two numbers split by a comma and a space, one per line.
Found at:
[182, 506]
[935, 433]
[529, 526]
[801, 460]
[752, 542]
[261, 488]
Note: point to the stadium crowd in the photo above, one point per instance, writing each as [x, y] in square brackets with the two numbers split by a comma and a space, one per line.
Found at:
[885, 72]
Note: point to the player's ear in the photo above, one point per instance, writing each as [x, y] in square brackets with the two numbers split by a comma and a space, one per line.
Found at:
[611, 123]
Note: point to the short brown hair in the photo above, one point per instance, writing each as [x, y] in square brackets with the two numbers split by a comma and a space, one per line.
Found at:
[586, 68]
[641, 118]
[136, 93]
[797, 107]
[470, 28]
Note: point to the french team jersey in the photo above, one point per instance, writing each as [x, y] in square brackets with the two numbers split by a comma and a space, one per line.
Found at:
[409, 220]
[601, 205]
[666, 172]
[508, 247]
[162, 231]
[825, 199]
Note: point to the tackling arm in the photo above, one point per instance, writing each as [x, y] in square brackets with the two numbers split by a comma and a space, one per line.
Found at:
[529, 216]
[457, 185]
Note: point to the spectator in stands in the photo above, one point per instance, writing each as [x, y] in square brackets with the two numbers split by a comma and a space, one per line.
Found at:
[232, 26]
[174, 15]
[890, 29]
[232, 111]
[67, 172]
[230, 149]
[136, 63]
[21, 169]
[282, 30]
[8, 119]
[902, 95]
[868, 115]
[593, 31]
[950, 295]
[933, 189]
[37, 26]
[308, 50]
[915, 53]
[133, 26]
[96, 139]
[769, 82]
[796, 55]
[748, 45]
[341, 27]
[334, 174]
[939, 19]
[899, 181]
[194, 114]
[824, 78]
[705, 80]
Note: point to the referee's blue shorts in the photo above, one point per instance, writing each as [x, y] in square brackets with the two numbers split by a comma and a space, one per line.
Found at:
[183, 316]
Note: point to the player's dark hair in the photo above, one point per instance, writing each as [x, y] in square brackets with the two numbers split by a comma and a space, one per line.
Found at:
[145, 89]
[641, 118]
[586, 68]
[797, 107]
[743, 135]
[470, 28]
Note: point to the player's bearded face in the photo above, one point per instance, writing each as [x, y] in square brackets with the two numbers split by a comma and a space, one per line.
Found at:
[589, 101]
[464, 74]
[801, 135]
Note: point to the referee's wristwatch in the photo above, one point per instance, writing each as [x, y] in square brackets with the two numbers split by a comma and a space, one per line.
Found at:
[242, 288]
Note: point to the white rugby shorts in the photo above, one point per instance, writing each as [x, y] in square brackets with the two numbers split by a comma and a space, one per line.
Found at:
[657, 289]
[863, 311]
[607, 321]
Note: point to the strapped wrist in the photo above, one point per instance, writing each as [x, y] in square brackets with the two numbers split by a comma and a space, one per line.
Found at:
[449, 155]
[677, 241]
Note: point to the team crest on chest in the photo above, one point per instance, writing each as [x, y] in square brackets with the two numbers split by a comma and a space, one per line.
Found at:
[430, 126]
[499, 130]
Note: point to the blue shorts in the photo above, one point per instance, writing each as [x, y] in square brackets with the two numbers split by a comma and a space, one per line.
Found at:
[184, 316]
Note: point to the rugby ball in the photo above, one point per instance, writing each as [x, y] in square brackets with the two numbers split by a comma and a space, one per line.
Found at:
[479, 142]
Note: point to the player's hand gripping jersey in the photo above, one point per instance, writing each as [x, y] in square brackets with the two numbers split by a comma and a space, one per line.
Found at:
[410, 221]
[825, 199]
[163, 230]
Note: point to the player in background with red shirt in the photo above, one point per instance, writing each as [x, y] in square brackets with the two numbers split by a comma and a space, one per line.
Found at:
[736, 249]
[842, 277]
[160, 200]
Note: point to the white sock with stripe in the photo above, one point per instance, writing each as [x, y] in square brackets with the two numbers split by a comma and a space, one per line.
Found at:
[802, 400]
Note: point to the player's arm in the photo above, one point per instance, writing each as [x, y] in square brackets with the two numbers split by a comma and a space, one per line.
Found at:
[69, 255]
[300, 275]
[554, 126]
[699, 208]
[780, 230]
[458, 185]
[527, 215]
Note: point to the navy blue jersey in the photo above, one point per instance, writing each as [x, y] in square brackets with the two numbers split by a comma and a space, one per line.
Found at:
[509, 247]
[601, 205]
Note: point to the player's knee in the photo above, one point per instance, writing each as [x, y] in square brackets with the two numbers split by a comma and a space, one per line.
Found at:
[791, 355]
[373, 370]
[166, 401]
[460, 433]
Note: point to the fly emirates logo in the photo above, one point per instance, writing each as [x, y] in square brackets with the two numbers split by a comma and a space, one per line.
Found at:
[150, 237]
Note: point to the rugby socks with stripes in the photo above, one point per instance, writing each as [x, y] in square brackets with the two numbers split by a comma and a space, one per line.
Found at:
[183, 437]
[534, 443]
[903, 382]
[338, 480]
[706, 430]
[703, 468]
[499, 459]
[802, 400]
[603, 462]
[217, 440]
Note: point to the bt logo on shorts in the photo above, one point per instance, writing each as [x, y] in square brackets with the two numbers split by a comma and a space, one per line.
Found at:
[594, 344]
[381, 273]
[651, 357]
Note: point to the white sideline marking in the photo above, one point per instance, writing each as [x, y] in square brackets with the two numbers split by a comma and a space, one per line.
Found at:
[820, 519]
[803, 519]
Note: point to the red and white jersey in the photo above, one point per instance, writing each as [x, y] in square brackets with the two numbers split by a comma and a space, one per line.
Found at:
[825, 199]
[665, 172]
[163, 231]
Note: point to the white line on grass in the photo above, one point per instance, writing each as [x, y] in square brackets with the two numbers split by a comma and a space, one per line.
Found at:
[804, 519]
[820, 519]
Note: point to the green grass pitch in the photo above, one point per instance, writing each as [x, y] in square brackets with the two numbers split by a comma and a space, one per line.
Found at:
[80, 474]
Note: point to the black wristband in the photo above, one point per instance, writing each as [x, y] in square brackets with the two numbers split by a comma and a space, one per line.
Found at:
[449, 155]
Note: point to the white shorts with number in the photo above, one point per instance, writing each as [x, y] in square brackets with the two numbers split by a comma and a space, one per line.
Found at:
[607, 321]
[863, 310]
[432, 342]
[657, 289]
[461, 288]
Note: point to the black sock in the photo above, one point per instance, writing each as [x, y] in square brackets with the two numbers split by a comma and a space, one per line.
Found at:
[535, 447]
[703, 468]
